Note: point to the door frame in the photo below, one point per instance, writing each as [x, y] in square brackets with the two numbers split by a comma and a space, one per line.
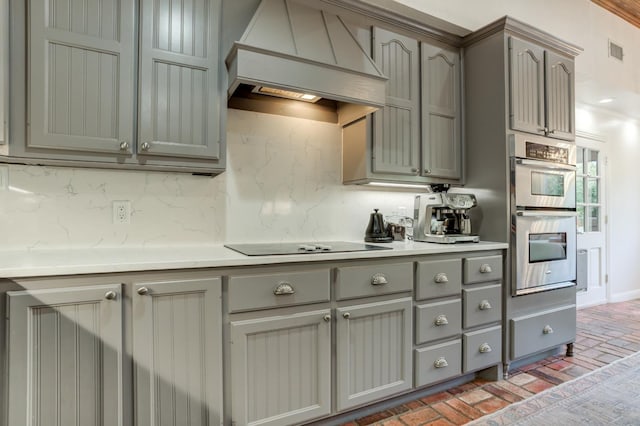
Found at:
[592, 298]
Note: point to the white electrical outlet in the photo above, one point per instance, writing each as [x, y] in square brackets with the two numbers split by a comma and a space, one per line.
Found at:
[122, 212]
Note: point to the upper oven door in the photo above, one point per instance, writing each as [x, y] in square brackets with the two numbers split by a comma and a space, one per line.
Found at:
[545, 250]
[544, 184]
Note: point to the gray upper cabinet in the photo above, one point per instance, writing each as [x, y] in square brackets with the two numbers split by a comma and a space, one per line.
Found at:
[81, 75]
[90, 64]
[416, 138]
[526, 86]
[541, 87]
[65, 356]
[179, 91]
[560, 95]
[441, 129]
[396, 136]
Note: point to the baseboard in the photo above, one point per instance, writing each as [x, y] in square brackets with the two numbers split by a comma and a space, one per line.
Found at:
[624, 297]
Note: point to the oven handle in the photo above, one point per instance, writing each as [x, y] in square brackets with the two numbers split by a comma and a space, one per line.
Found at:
[545, 165]
[545, 213]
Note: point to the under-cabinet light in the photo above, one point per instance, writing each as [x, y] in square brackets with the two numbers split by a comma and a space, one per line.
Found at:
[399, 185]
[287, 94]
[605, 101]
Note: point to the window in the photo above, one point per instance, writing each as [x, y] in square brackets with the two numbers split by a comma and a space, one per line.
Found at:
[588, 193]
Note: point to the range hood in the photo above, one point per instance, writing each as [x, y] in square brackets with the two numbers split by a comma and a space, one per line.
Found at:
[290, 49]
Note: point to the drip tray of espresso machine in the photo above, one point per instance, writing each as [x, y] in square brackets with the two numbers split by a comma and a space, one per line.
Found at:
[451, 238]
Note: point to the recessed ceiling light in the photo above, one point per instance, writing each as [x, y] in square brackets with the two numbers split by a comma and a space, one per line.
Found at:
[605, 100]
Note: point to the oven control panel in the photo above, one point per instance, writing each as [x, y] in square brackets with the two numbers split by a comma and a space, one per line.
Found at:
[544, 152]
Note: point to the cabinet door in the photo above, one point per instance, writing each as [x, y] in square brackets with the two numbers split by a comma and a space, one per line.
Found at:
[281, 368]
[177, 354]
[179, 78]
[441, 131]
[65, 356]
[81, 75]
[560, 96]
[396, 134]
[373, 351]
[526, 86]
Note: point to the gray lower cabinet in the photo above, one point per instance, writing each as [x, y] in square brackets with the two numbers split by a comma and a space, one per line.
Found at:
[458, 305]
[65, 356]
[373, 351]
[83, 79]
[176, 352]
[280, 368]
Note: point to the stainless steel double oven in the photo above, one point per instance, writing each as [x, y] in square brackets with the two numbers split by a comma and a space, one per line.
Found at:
[543, 214]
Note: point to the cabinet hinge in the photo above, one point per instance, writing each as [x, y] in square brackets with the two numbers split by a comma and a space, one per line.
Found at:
[606, 278]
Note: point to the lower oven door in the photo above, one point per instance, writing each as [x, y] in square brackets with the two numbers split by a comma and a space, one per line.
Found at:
[545, 250]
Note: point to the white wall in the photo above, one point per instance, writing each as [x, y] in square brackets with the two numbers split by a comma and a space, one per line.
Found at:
[282, 184]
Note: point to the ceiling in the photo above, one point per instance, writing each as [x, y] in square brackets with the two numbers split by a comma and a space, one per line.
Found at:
[629, 10]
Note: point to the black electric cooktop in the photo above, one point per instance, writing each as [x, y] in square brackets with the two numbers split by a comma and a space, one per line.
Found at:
[269, 249]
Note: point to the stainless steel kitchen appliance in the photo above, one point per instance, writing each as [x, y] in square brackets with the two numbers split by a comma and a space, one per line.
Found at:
[543, 214]
[269, 249]
[442, 217]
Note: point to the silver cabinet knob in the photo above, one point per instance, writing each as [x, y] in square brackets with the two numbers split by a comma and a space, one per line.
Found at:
[110, 295]
[143, 290]
[485, 268]
[547, 329]
[552, 131]
[441, 278]
[427, 171]
[440, 363]
[484, 348]
[414, 170]
[283, 289]
[326, 318]
[124, 146]
[145, 146]
[441, 320]
[346, 315]
[484, 305]
[379, 279]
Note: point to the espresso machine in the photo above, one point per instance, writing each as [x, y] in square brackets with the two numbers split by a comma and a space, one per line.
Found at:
[442, 217]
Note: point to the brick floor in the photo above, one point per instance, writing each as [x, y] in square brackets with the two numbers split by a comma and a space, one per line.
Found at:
[605, 333]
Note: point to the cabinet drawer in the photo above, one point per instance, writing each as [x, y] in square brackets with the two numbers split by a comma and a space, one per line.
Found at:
[374, 279]
[482, 348]
[247, 292]
[438, 278]
[479, 269]
[438, 320]
[438, 362]
[482, 305]
[537, 332]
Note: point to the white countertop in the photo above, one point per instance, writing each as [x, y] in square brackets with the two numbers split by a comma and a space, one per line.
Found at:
[38, 263]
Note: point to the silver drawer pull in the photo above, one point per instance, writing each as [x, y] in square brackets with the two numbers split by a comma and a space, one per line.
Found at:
[441, 320]
[547, 329]
[283, 289]
[379, 279]
[111, 295]
[346, 315]
[485, 268]
[484, 305]
[440, 363]
[143, 291]
[484, 348]
[327, 318]
[441, 278]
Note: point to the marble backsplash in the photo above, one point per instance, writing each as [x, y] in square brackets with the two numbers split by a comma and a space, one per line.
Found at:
[282, 184]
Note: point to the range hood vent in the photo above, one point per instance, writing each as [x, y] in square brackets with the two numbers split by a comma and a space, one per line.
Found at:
[291, 47]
